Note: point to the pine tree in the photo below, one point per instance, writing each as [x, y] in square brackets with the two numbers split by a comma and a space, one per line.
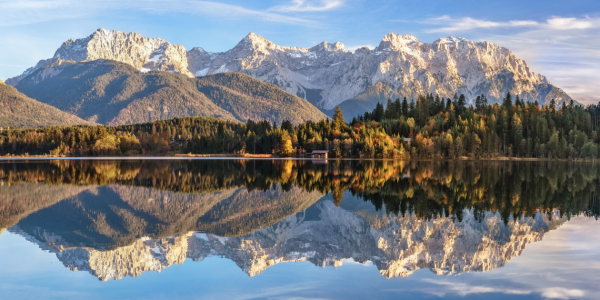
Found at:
[507, 104]
[411, 108]
[405, 108]
[462, 104]
[389, 109]
[398, 108]
[379, 112]
[338, 119]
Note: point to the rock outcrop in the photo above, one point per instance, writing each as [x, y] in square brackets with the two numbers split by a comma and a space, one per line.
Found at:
[145, 54]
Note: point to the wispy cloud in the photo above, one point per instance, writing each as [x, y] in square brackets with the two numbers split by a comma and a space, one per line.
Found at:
[571, 23]
[354, 47]
[308, 6]
[13, 13]
[467, 23]
[464, 24]
[562, 293]
[464, 289]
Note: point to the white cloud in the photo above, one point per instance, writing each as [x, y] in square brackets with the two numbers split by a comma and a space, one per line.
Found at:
[570, 23]
[464, 24]
[464, 289]
[24, 12]
[353, 48]
[562, 293]
[308, 6]
[467, 23]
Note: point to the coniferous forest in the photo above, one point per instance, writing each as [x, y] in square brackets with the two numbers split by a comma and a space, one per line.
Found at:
[430, 127]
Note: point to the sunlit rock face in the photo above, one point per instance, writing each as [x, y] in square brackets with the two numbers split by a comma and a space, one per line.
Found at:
[145, 54]
[325, 235]
[327, 74]
[401, 66]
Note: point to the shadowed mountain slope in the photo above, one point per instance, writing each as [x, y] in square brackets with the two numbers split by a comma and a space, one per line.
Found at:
[18, 110]
[115, 93]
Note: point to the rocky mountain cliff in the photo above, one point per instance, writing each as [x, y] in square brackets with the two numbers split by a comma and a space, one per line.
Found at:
[325, 235]
[327, 74]
[401, 66]
[143, 53]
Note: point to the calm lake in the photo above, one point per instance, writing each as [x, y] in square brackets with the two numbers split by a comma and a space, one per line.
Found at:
[270, 229]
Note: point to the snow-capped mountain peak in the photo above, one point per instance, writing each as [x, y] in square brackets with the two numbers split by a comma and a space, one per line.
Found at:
[327, 74]
[326, 46]
[397, 41]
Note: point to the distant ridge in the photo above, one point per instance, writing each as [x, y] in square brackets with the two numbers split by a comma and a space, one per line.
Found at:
[115, 93]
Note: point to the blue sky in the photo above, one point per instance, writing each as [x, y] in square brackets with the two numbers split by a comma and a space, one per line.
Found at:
[560, 39]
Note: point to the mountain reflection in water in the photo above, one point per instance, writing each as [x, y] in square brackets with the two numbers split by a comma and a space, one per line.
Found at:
[123, 218]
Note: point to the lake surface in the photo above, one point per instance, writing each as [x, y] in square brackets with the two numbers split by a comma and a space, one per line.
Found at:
[270, 229]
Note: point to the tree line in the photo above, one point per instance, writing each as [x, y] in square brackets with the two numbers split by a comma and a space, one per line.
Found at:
[448, 128]
[431, 127]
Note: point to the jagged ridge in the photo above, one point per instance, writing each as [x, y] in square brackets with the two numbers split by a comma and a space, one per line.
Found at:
[327, 74]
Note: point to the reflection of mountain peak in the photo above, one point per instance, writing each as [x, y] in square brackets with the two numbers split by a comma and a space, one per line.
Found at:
[326, 238]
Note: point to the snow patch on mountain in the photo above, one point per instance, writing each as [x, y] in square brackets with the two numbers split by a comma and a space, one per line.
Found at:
[327, 74]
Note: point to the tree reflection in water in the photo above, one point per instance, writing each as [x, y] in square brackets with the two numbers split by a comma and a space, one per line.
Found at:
[450, 217]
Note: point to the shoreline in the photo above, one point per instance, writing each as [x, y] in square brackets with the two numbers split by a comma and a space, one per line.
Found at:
[269, 156]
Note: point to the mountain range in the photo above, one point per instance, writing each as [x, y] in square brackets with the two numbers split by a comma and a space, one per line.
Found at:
[115, 93]
[327, 75]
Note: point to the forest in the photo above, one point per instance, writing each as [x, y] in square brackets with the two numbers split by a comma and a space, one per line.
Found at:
[428, 128]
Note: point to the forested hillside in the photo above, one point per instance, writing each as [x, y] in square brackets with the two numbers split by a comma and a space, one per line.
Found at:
[115, 93]
[20, 111]
[448, 128]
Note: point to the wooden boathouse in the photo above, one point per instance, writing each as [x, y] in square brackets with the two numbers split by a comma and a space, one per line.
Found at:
[318, 154]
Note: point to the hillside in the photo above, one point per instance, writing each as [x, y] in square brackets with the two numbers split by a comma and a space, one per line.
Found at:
[18, 110]
[249, 98]
[115, 93]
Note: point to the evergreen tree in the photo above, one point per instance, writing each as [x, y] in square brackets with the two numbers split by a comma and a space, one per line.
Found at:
[338, 119]
[405, 107]
[462, 102]
[507, 104]
[379, 112]
[411, 108]
[442, 105]
[398, 108]
[389, 109]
